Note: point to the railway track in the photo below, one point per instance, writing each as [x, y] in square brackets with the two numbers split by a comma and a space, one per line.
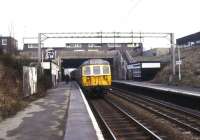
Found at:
[186, 120]
[119, 124]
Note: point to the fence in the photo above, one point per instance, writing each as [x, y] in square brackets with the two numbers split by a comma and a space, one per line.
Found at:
[29, 81]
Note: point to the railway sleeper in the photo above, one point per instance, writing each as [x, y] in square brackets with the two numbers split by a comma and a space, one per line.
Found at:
[128, 134]
[136, 138]
[125, 129]
[114, 118]
[120, 125]
[117, 121]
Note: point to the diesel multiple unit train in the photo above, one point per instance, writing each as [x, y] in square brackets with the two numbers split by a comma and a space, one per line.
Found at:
[94, 75]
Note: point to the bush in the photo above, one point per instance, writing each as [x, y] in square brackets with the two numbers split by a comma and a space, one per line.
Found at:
[11, 76]
[11, 97]
[9, 105]
[44, 81]
[14, 63]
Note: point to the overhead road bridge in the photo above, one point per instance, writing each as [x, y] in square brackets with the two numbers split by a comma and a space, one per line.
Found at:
[113, 46]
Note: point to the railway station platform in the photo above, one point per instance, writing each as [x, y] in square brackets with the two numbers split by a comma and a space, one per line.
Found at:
[195, 92]
[62, 114]
[81, 123]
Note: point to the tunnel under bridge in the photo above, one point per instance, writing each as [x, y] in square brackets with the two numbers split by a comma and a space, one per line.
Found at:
[76, 62]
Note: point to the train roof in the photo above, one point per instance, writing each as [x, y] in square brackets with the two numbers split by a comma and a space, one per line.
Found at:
[95, 62]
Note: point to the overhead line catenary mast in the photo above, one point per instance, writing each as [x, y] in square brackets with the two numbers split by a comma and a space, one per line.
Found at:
[113, 35]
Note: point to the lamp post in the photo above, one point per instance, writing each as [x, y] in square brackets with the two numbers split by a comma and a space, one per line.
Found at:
[179, 63]
[39, 49]
[172, 42]
[49, 56]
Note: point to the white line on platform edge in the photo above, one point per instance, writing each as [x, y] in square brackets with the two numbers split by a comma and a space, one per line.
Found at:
[93, 119]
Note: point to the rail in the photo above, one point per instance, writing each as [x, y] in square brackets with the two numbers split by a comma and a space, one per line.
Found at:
[119, 123]
[184, 118]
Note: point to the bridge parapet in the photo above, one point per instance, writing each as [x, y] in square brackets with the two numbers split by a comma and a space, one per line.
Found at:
[33, 54]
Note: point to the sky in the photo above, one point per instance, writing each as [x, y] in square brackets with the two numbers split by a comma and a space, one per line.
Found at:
[26, 18]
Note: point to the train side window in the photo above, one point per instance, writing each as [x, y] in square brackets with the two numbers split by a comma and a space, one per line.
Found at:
[96, 70]
[106, 70]
[86, 70]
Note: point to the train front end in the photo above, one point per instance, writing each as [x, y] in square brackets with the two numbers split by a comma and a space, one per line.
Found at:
[96, 78]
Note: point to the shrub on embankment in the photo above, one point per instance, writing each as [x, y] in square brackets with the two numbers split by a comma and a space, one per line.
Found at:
[43, 82]
[190, 69]
[11, 77]
[10, 85]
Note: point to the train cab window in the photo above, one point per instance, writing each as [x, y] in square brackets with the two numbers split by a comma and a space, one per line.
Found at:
[86, 70]
[106, 70]
[96, 70]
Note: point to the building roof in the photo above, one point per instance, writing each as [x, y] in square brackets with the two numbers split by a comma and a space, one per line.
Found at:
[189, 38]
[95, 62]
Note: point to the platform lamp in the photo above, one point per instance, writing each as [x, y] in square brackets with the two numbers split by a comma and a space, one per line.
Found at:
[50, 62]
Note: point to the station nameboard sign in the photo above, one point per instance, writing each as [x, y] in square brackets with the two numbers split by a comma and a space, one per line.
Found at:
[129, 66]
[151, 65]
[134, 66]
[178, 62]
[50, 54]
[144, 65]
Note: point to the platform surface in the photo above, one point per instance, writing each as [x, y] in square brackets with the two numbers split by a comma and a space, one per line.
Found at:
[81, 124]
[176, 89]
[62, 114]
[43, 119]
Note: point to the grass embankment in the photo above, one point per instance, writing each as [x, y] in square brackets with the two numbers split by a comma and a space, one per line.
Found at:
[11, 77]
[190, 69]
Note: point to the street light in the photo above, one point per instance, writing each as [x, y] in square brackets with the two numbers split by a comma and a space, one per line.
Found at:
[49, 57]
[179, 62]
